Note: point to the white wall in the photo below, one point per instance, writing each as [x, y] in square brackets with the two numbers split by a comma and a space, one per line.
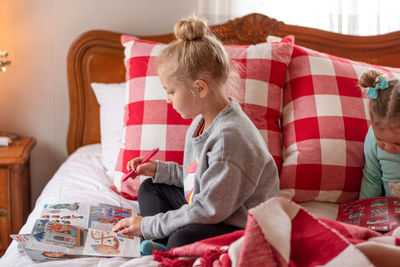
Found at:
[37, 34]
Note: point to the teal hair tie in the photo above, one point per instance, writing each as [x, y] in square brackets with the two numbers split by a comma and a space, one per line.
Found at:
[382, 84]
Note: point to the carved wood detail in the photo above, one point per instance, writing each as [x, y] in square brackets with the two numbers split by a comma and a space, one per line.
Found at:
[255, 28]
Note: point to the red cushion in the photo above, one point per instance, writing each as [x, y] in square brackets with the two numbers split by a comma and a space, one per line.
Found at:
[150, 122]
[325, 120]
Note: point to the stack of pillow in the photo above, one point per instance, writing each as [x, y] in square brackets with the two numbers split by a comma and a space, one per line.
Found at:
[306, 105]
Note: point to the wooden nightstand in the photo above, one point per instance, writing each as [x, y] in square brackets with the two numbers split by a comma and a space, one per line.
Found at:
[15, 193]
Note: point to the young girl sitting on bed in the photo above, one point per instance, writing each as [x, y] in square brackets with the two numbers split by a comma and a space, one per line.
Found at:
[227, 168]
[382, 143]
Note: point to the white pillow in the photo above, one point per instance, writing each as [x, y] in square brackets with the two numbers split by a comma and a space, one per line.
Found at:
[111, 98]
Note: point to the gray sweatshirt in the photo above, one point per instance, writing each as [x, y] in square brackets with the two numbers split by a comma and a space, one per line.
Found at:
[227, 170]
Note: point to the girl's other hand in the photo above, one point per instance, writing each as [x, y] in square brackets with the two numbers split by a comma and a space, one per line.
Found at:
[148, 169]
[128, 226]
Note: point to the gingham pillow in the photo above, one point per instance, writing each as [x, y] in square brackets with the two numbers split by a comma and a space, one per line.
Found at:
[150, 122]
[325, 119]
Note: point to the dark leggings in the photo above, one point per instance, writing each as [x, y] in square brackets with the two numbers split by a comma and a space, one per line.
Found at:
[156, 198]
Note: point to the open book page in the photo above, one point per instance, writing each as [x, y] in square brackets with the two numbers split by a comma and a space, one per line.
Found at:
[67, 213]
[78, 229]
[379, 213]
[71, 240]
[39, 251]
[84, 215]
[67, 236]
[102, 243]
[104, 216]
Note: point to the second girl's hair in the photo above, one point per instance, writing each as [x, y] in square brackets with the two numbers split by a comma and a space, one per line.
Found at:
[385, 109]
[196, 54]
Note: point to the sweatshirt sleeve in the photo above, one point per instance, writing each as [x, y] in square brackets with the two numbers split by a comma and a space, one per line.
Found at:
[371, 184]
[224, 187]
[169, 173]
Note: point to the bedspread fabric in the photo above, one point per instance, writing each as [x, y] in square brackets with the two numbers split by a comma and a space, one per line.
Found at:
[291, 237]
[81, 178]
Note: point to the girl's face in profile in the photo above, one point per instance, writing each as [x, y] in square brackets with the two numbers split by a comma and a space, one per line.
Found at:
[388, 139]
[183, 99]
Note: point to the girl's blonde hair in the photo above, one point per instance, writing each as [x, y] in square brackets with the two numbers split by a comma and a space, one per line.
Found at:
[385, 109]
[196, 54]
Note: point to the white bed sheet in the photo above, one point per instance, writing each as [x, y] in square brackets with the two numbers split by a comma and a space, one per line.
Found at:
[80, 178]
[83, 178]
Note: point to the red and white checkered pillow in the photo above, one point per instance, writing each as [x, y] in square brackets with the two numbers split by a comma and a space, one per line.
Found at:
[325, 119]
[150, 122]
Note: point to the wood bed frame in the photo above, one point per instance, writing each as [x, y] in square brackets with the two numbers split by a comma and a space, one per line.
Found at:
[97, 56]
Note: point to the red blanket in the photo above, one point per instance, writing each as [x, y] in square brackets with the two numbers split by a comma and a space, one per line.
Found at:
[282, 233]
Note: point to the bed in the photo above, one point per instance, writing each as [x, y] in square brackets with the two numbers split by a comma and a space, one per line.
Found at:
[98, 56]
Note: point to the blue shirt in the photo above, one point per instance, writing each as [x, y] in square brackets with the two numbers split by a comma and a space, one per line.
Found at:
[380, 169]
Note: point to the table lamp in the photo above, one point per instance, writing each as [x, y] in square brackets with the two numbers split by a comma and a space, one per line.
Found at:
[3, 61]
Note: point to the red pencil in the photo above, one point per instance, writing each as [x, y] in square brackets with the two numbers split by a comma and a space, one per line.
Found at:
[146, 159]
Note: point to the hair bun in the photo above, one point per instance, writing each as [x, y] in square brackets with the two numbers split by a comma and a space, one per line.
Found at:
[190, 28]
[369, 78]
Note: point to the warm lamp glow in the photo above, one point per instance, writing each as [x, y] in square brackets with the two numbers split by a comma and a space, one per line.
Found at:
[4, 63]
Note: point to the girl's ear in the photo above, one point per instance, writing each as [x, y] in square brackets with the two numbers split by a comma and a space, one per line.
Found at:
[202, 88]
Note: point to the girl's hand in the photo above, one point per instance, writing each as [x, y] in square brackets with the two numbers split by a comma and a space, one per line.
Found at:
[131, 225]
[148, 169]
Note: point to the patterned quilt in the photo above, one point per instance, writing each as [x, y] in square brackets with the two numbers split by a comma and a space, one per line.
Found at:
[279, 232]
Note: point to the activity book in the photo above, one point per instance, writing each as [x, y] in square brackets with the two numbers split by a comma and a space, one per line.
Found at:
[378, 213]
[76, 230]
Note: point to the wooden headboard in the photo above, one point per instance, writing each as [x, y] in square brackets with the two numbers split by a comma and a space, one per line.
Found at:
[97, 56]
